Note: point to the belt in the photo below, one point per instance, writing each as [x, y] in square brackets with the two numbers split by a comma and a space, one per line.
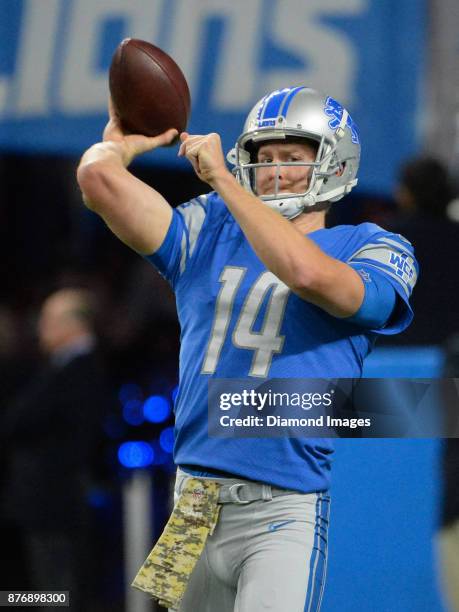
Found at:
[247, 492]
[235, 491]
[167, 569]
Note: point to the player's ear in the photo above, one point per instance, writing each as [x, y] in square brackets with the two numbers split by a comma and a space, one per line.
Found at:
[341, 169]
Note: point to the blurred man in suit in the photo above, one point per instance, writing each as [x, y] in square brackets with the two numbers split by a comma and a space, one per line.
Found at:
[52, 431]
[424, 192]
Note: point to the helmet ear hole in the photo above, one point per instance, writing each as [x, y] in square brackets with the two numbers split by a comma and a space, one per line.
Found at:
[341, 169]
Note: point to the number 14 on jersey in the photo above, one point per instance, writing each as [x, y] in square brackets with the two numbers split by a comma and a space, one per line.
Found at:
[266, 342]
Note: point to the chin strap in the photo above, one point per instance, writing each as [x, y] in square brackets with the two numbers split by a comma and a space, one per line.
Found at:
[292, 207]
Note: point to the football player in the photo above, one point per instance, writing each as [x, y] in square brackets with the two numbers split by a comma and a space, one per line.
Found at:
[263, 289]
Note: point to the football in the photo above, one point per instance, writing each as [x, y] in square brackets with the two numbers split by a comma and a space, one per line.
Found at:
[149, 91]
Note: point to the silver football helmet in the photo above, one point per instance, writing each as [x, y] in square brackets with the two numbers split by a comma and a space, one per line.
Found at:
[300, 112]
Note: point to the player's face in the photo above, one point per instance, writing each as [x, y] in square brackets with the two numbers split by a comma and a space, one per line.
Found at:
[292, 179]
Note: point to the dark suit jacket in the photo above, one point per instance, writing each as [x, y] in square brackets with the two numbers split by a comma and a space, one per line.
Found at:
[436, 294]
[51, 434]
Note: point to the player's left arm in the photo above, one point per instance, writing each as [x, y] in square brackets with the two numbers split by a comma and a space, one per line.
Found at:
[296, 260]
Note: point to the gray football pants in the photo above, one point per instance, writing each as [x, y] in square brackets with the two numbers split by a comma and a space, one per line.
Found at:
[265, 555]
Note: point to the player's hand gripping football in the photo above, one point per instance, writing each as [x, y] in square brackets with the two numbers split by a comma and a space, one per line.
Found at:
[132, 145]
[205, 154]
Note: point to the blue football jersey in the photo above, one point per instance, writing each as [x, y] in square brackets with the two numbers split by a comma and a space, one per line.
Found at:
[239, 320]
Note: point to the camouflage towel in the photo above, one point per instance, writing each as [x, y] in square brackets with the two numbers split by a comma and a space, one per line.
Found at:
[167, 569]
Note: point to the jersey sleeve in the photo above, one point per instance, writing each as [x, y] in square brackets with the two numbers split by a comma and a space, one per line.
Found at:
[392, 256]
[174, 256]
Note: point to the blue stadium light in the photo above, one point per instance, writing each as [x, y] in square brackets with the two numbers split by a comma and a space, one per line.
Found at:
[129, 391]
[166, 439]
[156, 409]
[133, 412]
[136, 454]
